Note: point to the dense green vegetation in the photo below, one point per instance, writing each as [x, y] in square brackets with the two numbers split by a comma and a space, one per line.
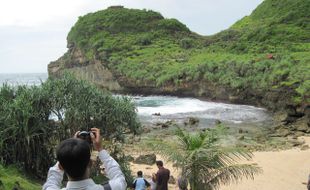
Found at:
[11, 178]
[268, 50]
[203, 161]
[29, 130]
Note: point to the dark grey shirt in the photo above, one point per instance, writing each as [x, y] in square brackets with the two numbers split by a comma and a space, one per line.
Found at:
[162, 177]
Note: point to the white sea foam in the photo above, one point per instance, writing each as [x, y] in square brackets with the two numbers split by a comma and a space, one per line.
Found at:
[174, 107]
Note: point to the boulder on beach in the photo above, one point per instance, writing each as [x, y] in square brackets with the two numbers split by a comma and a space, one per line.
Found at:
[148, 159]
[192, 121]
[166, 124]
[157, 114]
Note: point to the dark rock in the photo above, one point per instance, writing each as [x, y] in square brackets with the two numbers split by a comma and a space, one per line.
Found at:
[129, 158]
[302, 125]
[292, 115]
[203, 130]
[193, 121]
[156, 127]
[171, 180]
[241, 137]
[167, 124]
[156, 114]
[291, 110]
[295, 137]
[303, 128]
[307, 114]
[218, 122]
[278, 127]
[275, 135]
[299, 133]
[283, 132]
[148, 159]
[304, 147]
[295, 142]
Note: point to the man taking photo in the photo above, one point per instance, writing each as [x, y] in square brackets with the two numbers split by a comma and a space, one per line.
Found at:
[73, 156]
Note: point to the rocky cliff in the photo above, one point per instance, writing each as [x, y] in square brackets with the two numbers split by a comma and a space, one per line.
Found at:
[262, 60]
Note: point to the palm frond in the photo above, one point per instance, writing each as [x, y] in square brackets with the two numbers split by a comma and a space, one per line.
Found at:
[171, 152]
[230, 174]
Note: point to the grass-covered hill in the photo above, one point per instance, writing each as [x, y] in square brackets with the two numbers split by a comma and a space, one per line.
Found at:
[262, 59]
[275, 25]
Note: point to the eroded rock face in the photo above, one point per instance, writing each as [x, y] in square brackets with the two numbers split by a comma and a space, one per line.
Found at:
[74, 62]
[148, 159]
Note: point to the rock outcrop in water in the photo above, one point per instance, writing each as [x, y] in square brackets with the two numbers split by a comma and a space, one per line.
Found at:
[140, 52]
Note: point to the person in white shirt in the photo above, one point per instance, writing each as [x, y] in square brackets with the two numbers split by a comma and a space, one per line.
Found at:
[73, 157]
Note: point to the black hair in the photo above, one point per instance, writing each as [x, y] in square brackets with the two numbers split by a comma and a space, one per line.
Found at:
[159, 163]
[74, 156]
[139, 173]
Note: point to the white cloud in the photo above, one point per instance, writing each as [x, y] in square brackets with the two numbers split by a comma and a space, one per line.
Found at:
[33, 32]
[36, 12]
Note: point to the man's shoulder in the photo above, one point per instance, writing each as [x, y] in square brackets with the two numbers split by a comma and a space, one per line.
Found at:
[166, 170]
[95, 187]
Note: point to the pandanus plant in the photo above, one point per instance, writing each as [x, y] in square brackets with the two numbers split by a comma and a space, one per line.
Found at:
[33, 120]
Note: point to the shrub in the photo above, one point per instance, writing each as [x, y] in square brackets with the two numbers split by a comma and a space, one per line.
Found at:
[28, 134]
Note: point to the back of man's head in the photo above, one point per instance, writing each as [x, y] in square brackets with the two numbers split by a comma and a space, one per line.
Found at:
[139, 173]
[159, 163]
[74, 156]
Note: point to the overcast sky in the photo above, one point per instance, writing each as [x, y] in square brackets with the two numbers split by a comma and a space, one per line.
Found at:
[33, 32]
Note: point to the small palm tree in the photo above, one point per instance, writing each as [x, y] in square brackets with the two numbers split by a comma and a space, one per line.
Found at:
[203, 161]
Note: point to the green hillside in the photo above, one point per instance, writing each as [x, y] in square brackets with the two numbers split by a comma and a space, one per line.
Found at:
[263, 54]
[275, 25]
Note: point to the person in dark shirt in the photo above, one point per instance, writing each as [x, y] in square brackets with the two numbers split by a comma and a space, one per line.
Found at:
[162, 176]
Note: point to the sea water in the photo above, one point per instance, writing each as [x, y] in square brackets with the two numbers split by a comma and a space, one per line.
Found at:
[22, 78]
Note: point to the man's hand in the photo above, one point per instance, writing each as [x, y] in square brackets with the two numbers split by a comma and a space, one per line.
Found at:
[76, 134]
[97, 140]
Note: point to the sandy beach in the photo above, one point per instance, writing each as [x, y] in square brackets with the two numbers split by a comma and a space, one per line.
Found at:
[282, 170]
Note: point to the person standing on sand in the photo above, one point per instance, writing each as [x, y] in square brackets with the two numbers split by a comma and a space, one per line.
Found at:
[73, 157]
[153, 182]
[162, 176]
[140, 183]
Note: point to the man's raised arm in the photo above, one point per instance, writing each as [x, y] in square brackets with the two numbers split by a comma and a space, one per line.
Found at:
[114, 173]
[54, 178]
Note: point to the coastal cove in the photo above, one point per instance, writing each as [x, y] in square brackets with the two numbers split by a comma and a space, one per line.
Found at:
[136, 93]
